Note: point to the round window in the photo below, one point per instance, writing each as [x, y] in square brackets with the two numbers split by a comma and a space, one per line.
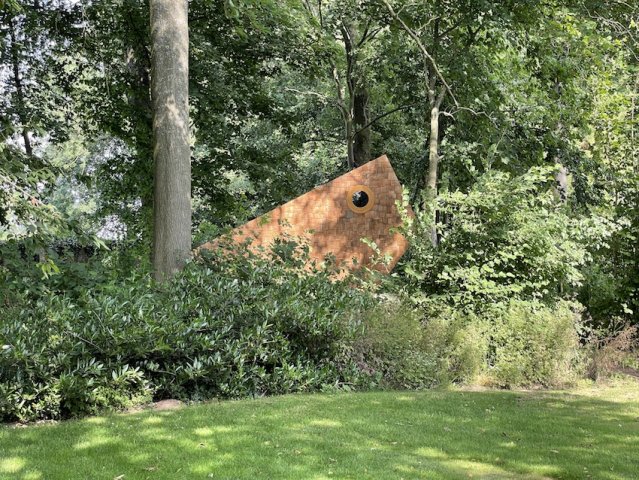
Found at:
[360, 198]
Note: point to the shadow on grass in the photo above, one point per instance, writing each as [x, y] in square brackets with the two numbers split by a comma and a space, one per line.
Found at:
[432, 435]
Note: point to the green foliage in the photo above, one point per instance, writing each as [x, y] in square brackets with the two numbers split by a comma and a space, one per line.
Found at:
[458, 344]
[390, 349]
[611, 184]
[515, 344]
[506, 238]
[23, 214]
[531, 344]
[398, 349]
[33, 269]
[228, 326]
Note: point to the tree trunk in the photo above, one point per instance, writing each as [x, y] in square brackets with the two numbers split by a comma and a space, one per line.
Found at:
[350, 144]
[433, 155]
[171, 150]
[435, 100]
[433, 166]
[561, 181]
[561, 175]
[15, 60]
[359, 138]
[362, 140]
[633, 113]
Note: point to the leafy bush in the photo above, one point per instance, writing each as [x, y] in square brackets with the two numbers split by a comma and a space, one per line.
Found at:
[390, 349]
[513, 344]
[459, 345]
[398, 349]
[32, 269]
[506, 238]
[228, 326]
[509, 257]
[532, 344]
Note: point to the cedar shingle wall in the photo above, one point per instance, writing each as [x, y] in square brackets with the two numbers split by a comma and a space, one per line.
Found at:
[323, 217]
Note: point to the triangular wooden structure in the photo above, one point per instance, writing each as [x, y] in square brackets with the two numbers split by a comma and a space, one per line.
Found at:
[334, 217]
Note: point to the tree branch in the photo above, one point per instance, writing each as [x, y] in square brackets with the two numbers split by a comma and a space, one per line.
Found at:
[379, 117]
[470, 110]
[450, 29]
[423, 49]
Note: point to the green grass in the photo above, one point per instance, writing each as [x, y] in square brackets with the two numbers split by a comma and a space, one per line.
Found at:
[441, 434]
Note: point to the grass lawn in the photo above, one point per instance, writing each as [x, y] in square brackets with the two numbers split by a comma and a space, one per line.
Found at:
[441, 434]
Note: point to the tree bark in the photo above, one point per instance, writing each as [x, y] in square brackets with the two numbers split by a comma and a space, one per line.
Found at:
[171, 150]
[561, 181]
[433, 158]
[350, 145]
[359, 137]
[362, 139]
[633, 113]
[435, 100]
[561, 174]
[15, 60]
[433, 153]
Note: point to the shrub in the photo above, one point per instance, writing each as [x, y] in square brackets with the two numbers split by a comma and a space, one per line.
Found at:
[228, 326]
[459, 345]
[507, 237]
[532, 344]
[390, 350]
[610, 351]
[397, 348]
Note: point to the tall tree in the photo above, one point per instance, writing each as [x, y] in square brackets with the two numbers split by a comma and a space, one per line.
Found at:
[171, 149]
[358, 133]
[445, 37]
[344, 31]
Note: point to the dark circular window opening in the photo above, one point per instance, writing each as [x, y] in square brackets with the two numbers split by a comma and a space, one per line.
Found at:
[360, 199]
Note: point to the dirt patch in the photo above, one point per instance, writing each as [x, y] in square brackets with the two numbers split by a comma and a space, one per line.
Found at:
[163, 405]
